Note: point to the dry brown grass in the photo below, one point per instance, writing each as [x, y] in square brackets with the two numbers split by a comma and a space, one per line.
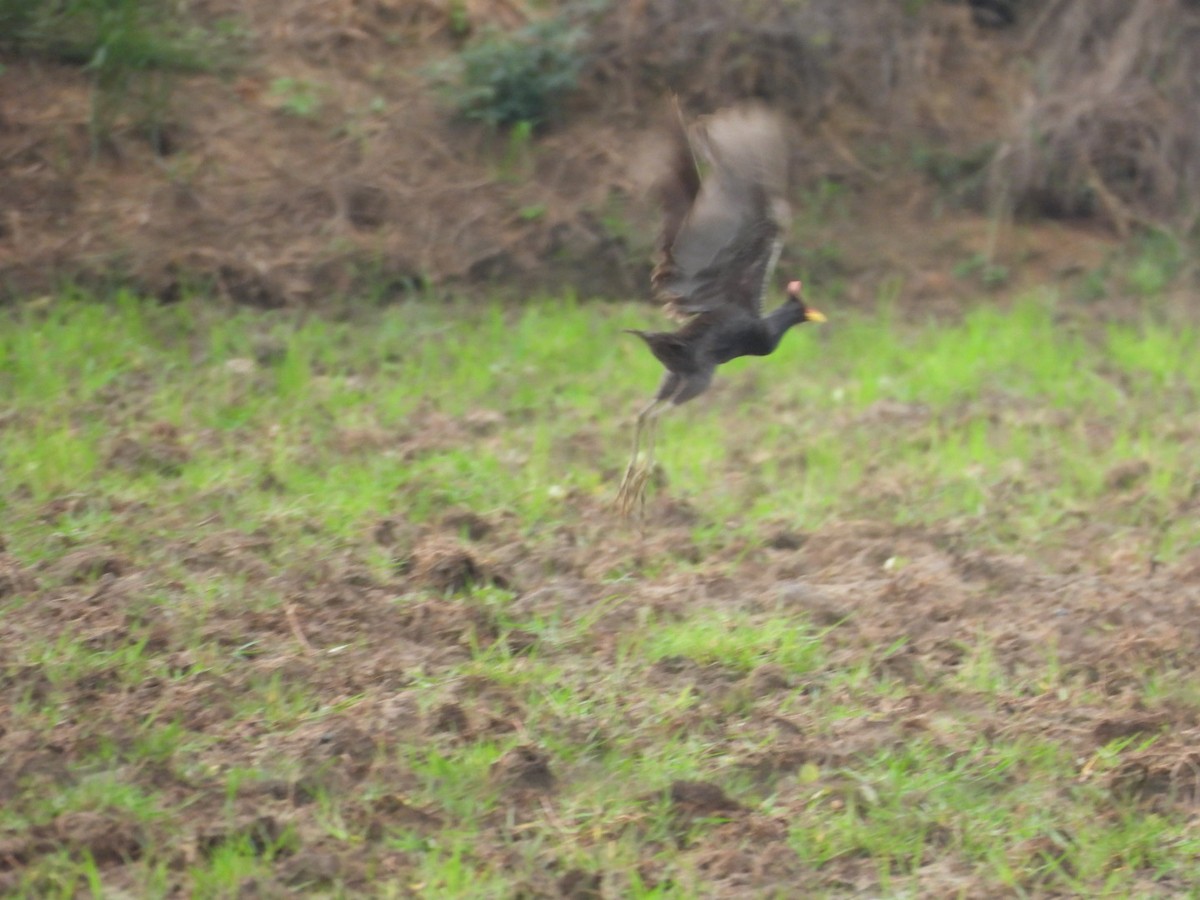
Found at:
[1109, 127]
[805, 58]
[374, 185]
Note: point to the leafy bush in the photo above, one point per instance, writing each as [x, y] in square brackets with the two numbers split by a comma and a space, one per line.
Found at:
[519, 76]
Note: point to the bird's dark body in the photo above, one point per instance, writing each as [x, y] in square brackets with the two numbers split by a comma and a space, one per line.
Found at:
[720, 240]
[744, 337]
[691, 354]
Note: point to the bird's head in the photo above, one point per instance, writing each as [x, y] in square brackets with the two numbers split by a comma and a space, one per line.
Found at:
[795, 292]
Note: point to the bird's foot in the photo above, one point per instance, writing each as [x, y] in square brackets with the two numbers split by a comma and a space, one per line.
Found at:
[632, 492]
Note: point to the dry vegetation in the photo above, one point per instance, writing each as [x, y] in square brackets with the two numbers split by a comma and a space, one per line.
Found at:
[319, 160]
[1106, 132]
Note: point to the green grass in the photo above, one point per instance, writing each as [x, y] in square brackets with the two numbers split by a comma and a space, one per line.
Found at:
[719, 640]
[1005, 396]
[228, 469]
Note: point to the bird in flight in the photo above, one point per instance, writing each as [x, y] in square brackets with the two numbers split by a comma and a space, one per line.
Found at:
[721, 237]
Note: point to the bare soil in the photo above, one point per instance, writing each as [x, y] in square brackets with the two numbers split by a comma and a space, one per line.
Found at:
[1109, 614]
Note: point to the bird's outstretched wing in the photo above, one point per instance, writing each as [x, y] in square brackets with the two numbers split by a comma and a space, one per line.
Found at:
[721, 236]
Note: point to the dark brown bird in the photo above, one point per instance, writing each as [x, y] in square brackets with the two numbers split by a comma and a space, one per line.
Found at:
[720, 240]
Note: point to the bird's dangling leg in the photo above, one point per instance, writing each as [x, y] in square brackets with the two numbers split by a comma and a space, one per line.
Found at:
[652, 434]
[647, 470]
[634, 483]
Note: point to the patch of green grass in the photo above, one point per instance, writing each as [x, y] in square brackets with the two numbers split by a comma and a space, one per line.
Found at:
[243, 606]
[1158, 259]
[229, 866]
[297, 97]
[1146, 268]
[981, 394]
[989, 274]
[990, 808]
[738, 644]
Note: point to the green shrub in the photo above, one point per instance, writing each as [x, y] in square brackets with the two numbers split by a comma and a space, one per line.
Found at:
[519, 76]
[1157, 260]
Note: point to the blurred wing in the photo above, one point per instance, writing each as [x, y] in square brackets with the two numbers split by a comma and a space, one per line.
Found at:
[722, 252]
[680, 183]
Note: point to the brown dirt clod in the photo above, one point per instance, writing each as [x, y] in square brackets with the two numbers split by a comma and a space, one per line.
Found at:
[14, 579]
[89, 564]
[108, 838]
[576, 884]
[701, 799]
[446, 566]
[524, 767]
[1126, 475]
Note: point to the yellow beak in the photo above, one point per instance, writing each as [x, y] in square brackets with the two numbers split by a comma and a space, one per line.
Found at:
[814, 315]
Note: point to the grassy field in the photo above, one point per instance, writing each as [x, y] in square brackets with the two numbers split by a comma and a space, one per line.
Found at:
[340, 606]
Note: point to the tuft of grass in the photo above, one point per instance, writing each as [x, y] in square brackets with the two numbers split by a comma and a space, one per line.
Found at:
[297, 97]
[738, 644]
